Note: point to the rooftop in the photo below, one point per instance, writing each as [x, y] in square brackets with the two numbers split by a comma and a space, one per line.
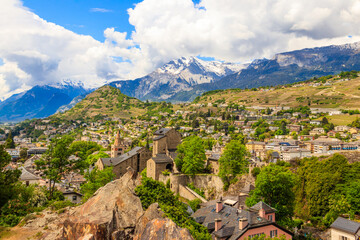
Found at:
[346, 225]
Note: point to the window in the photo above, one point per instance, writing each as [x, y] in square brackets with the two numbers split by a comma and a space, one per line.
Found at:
[273, 233]
[74, 198]
[270, 217]
[343, 238]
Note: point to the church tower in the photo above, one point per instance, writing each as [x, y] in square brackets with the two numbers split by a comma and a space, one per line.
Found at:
[118, 148]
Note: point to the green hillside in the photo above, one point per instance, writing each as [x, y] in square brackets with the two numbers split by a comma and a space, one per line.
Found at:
[105, 101]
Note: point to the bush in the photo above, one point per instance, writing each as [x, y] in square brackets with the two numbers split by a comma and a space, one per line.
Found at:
[57, 205]
[255, 171]
[10, 220]
[195, 204]
[151, 191]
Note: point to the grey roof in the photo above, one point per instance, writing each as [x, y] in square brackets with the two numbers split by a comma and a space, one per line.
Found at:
[26, 175]
[214, 156]
[262, 205]
[230, 217]
[118, 160]
[158, 137]
[346, 225]
[162, 131]
[162, 158]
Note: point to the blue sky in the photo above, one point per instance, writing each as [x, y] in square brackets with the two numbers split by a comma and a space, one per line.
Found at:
[89, 17]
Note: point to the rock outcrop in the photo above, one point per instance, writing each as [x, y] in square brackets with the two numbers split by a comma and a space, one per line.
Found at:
[114, 212]
[163, 229]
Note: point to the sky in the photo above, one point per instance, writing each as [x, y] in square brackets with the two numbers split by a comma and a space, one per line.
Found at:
[99, 41]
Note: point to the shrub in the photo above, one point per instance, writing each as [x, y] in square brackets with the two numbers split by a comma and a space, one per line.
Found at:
[57, 205]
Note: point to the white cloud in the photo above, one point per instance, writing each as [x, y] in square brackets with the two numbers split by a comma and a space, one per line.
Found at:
[35, 51]
[102, 10]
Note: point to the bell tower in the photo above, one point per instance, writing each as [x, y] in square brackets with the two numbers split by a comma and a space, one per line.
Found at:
[118, 148]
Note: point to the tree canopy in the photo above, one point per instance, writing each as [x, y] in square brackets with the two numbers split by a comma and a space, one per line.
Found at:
[55, 163]
[233, 160]
[191, 156]
[274, 185]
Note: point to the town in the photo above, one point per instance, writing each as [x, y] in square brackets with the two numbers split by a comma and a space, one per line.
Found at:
[212, 156]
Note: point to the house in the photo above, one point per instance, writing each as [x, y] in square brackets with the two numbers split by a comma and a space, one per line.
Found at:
[13, 152]
[27, 177]
[341, 128]
[136, 159]
[254, 146]
[317, 131]
[315, 122]
[165, 142]
[224, 221]
[344, 229]
[73, 197]
[294, 128]
[292, 154]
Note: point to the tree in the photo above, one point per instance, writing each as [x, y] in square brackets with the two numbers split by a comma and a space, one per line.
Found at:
[324, 121]
[55, 162]
[83, 149]
[195, 123]
[274, 186]
[191, 155]
[9, 143]
[23, 153]
[95, 180]
[91, 159]
[233, 161]
[8, 178]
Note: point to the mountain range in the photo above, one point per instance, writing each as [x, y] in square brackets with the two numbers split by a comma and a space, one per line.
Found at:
[188, 77]
[40, 101]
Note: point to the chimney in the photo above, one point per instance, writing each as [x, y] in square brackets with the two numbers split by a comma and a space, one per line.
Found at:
[262, 213]
[219, 206]
[217, 224]
[243, 222]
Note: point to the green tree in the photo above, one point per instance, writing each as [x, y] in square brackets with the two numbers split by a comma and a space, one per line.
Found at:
[91, 159]
[9, 143]
[23, 153]
[191, 155]
[8, 178]
[274, 186]
[95, 180]
[83, 149]
[233, 161]
[55, 163]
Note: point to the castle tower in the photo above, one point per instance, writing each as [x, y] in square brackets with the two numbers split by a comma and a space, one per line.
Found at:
[118, 148]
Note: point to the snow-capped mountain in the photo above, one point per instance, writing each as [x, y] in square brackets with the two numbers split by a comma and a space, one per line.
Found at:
[177, 75]
[40, 101]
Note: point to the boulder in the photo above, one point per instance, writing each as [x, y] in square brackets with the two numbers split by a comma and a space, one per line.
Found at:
[163, 229]
[112, 212]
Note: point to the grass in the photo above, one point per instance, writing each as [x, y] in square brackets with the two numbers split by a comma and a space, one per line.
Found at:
[338, 95]
[5, 232]
[342, 119]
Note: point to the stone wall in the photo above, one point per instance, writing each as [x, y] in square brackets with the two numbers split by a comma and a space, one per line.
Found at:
[211, 184]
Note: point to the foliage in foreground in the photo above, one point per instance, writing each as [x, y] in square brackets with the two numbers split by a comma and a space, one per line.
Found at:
[95, 180]
[151, 191]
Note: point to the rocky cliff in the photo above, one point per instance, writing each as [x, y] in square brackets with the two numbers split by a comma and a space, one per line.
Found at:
[114, 212]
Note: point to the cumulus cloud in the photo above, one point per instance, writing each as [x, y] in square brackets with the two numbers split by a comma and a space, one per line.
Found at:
[239, 30]
[34, 51]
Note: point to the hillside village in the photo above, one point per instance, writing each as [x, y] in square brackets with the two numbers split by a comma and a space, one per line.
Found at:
[152, 143]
